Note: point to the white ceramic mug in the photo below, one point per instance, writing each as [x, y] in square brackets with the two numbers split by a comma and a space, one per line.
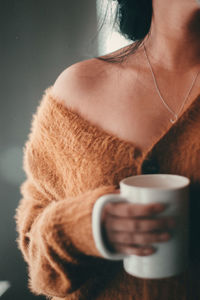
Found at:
[172, 256]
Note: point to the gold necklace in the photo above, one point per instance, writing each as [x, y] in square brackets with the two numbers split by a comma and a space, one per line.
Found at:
[158, 91]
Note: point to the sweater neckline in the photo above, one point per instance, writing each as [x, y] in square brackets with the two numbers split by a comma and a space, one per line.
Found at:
[140, 155]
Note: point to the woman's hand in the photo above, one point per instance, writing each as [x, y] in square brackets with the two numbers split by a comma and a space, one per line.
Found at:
[131, 228]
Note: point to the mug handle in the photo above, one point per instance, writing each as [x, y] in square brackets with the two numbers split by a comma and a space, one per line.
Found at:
[96, 226]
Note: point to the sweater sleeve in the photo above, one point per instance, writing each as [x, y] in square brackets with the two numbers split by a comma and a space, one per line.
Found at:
[54, 228]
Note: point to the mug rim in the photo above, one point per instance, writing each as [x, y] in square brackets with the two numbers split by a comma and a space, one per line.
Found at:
[184, 178]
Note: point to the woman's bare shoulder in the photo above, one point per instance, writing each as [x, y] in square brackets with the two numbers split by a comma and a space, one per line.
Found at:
[91, 75]
[74, 82]
[90, 79]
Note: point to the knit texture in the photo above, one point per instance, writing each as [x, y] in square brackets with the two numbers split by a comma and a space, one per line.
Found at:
[69, 163]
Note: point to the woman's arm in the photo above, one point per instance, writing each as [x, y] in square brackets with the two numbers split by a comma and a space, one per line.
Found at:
[54, 228]
[55, 237]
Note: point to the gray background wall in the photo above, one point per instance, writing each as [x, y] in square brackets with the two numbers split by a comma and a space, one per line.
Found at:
[38, 40]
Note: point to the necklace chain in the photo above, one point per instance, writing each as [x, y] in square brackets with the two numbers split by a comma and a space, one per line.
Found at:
[158, 91]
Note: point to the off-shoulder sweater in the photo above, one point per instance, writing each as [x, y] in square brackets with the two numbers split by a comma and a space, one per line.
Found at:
[69, 163]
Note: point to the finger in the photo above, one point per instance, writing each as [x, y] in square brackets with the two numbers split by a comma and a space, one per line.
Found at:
[139, 225]
[137, 238]
[137, 250]
[124, 209]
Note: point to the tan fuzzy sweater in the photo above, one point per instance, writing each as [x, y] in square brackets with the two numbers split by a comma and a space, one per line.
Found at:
[69, 163]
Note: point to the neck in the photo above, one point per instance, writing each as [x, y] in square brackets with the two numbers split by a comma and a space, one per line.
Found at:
[174, 38]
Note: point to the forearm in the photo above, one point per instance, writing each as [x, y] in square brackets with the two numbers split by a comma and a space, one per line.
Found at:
[58, 246]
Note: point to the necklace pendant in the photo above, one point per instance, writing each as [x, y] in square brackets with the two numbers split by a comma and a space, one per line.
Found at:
[173, 121]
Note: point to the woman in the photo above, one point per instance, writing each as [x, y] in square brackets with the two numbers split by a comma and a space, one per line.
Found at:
[105, 119]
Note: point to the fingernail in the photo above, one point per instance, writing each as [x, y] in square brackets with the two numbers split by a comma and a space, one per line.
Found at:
[117, 191]
[147, 251]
